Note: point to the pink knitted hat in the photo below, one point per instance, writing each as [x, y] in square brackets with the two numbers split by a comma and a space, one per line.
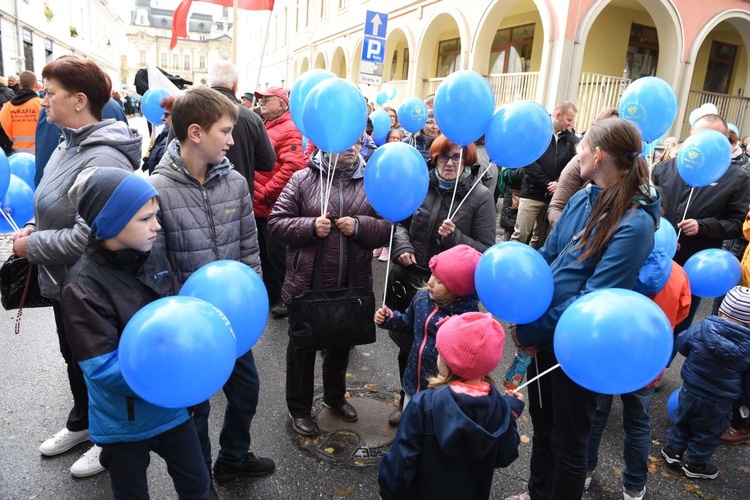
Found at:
[455, 268]
[471, 344]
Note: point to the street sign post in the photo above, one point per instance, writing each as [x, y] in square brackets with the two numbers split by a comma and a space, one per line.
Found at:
[373, 48]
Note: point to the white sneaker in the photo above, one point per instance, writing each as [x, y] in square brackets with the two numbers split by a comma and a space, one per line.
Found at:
[63, 441]
[88, 464]
[632, 495]
[589, 477]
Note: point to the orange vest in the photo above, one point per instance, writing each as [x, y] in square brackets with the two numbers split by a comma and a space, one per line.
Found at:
[19, 123]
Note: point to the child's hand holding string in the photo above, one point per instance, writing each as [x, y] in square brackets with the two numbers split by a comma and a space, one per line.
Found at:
[382, 314]
[515, 394]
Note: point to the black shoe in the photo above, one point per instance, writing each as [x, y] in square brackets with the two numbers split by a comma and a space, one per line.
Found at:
[279, 311]
[673, 458]
[706, 470]
[251, 466]
[304, 426]
[345, 412]
[212, 494]
[395, 418]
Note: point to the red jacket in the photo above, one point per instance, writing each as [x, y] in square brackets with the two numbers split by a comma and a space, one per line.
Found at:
[287, 142]
[674, 299]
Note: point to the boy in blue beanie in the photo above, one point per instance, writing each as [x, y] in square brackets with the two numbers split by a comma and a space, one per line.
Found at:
[115, 277]
[715, 374]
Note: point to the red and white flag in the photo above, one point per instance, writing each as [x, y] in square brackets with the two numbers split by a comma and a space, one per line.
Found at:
[179, 21]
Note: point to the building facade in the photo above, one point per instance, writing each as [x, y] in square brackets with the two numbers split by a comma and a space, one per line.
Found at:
[35, 32]
[586, 51]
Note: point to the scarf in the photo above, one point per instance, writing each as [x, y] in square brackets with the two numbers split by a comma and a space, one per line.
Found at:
[447, 185]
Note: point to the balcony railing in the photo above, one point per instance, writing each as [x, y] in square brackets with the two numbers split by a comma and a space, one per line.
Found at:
[400, 86]
[595, 94]
[511, 87]
[732, 108]
[430, 86]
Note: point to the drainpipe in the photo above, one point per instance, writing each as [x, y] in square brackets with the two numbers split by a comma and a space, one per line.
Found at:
[19, 33]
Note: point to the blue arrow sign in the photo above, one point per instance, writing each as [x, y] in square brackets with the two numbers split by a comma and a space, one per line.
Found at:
[376, 24]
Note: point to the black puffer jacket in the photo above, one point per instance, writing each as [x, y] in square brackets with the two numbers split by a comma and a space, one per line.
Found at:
[548, 167]
[475, 222]
[292, 221]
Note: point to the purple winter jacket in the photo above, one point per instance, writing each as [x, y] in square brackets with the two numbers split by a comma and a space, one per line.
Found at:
[291, 223]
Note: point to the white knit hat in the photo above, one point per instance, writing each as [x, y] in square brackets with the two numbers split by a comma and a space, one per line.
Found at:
[736, 305]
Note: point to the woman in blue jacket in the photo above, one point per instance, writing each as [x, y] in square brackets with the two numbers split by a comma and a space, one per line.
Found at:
[601, 240]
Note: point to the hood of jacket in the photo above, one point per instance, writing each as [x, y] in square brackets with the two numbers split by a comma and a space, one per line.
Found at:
[468, 427]
[23, 96]
[108, 132]
[172, 166]
[726, 340]
[320, 161]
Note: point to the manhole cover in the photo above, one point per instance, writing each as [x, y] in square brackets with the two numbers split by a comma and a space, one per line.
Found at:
[357, 444]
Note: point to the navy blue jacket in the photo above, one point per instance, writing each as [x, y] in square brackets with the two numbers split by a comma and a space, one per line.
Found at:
[421, 318]
[718, 360]
[617, 267]
[448, 445]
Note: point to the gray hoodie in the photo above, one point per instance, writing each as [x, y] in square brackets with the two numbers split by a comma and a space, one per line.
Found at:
[61, 235]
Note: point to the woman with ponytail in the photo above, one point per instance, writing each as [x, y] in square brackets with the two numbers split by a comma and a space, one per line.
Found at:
[601, 240]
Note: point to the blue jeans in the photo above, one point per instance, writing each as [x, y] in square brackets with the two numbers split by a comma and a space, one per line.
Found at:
[241, 391]
[699, 424]
[637, 426]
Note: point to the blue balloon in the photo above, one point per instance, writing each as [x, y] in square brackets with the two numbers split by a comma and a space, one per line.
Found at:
[18, 203]
[704, 157]
[24, 166]
[238, 292]
[412, 114]
[381, 125]
[651, 104]
[393, 93]
[381, 98]
[335, 115]
[150, 106]
[712, 272]
[177, 352]
[605, 347]
[519, 133]
[464, 104]
[4, 173]
[300, 90]
[666, 237]
[672, 403]
[514, 282]
[396, 181]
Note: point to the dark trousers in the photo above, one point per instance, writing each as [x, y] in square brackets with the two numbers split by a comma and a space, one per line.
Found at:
[127, 464]
[241, 391]
[300, 373]
[562, 423]
[78, 418]
[272, 261]
[699, 424]
[404, 342]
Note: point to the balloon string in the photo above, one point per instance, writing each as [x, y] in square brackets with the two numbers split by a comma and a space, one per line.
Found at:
[388, 265]
[545, 372]
[477, 181]
[459, 171]
[10, 221]
[329, 183]
[687, 205]
[322, 196]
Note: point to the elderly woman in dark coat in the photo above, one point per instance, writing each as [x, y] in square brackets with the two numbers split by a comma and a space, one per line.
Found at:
[297, 222]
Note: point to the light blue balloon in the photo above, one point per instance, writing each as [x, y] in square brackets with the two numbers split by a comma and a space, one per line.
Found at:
[24, 166]
[514, 282]
[603, 346]
[238, 292]
[381, 125]
[712, 272]
[150, 106]
[464, 105]
[381, 98]
[300, 90]
[704, 157]
[396, 181]
[4, 173]
[651, 104]
[519, 133]
[393, 94]
[666, 237]
[412, 114]
[177, 352]
[672, 404]
[335, 115]
[18, 203]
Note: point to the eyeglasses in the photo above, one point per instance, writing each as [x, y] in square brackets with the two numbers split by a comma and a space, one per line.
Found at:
[167, 114]
[445, 158]
[264, 100]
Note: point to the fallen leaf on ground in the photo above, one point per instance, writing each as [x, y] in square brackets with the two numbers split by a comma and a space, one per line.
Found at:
[343, 493]
[525, 439]
[329, 450]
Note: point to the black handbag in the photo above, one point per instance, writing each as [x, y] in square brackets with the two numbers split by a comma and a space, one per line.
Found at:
[326, 319]
[403, 283]
[19, 287]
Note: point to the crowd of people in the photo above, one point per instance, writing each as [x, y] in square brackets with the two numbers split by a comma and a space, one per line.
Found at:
[231, 179]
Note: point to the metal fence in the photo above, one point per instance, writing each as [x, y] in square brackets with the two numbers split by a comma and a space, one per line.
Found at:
[595, 94]
[732, 108]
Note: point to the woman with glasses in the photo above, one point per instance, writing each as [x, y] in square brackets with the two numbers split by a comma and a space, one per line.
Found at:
[432, 229]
